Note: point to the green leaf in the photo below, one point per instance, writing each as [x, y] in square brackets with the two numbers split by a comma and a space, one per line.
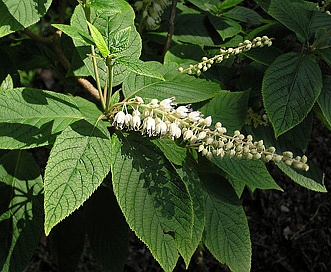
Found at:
[227, 108]
[67, 242]
[184, 55]
[290, 88]
[243, 14]
[227, 28]
[185, 88]
[115, 98]
[120, 40]
[313, 179]
[108, 22]
[7, 83]
[228, 4]
[253, 173]
[174, 153]
[21, 209]
[190, 177]
[199, 31]
[98, 40]
[108, 5]
[32, 117]
[88, 109]
[139, 67]
[324, 100]
[226, 231]
[264, 55]
[78, 163]
[16, 15]
[106, 229]
[154, 201]
[74, 33]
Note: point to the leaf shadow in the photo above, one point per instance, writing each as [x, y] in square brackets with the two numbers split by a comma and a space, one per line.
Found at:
[28, 135]
[154, 174]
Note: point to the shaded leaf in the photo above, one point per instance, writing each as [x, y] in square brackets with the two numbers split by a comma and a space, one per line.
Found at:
[106, 229]
[226, 232]
[21, 209]
[324, 100]
[174, 153]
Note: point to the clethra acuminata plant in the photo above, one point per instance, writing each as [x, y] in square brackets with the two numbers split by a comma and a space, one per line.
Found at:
[166, 119]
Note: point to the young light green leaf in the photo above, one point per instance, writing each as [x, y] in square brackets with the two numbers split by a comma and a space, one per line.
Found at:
[120, 40]
[228, 4]
[78, 163]
[74, 33]
[21, 212]
[324, 100]
[154, 201]
[31, 117]
[98, 40]
[226, 231]
[290, 88]
[16, 15]
[7, 83]
[139, 67]
[185, 88]
[106, 229]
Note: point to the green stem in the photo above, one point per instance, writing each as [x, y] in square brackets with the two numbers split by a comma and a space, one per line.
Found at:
[94, 61]
[110, 66]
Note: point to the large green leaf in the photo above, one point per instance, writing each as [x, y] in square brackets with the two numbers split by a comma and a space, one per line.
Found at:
[16, 15]
[21, 210]
[108, 22]
[153, 199]
[227, 108]
[78, 163]
[31, 117]
[226, 231]
[290, 88]
[324, 100]
[190, 177]
[253, 173]
[185, 88]
[106, 229]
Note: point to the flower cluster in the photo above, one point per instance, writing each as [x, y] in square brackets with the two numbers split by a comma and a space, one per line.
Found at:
[151, 11]
[255, 119]
[206, 63]
[166, 119]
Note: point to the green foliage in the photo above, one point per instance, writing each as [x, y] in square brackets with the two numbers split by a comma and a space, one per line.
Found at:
[176, 194]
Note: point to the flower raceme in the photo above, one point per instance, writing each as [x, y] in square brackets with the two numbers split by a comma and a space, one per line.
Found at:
[165, 119]
[245, 46]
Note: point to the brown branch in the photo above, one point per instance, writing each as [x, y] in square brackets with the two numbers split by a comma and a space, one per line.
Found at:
[53, 42]
[171, 26]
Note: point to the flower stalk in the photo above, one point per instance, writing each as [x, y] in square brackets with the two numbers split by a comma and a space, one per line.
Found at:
[166, 119]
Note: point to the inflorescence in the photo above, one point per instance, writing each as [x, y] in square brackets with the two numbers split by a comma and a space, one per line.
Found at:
[166, 119]
[151, 11]
[206, 63]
